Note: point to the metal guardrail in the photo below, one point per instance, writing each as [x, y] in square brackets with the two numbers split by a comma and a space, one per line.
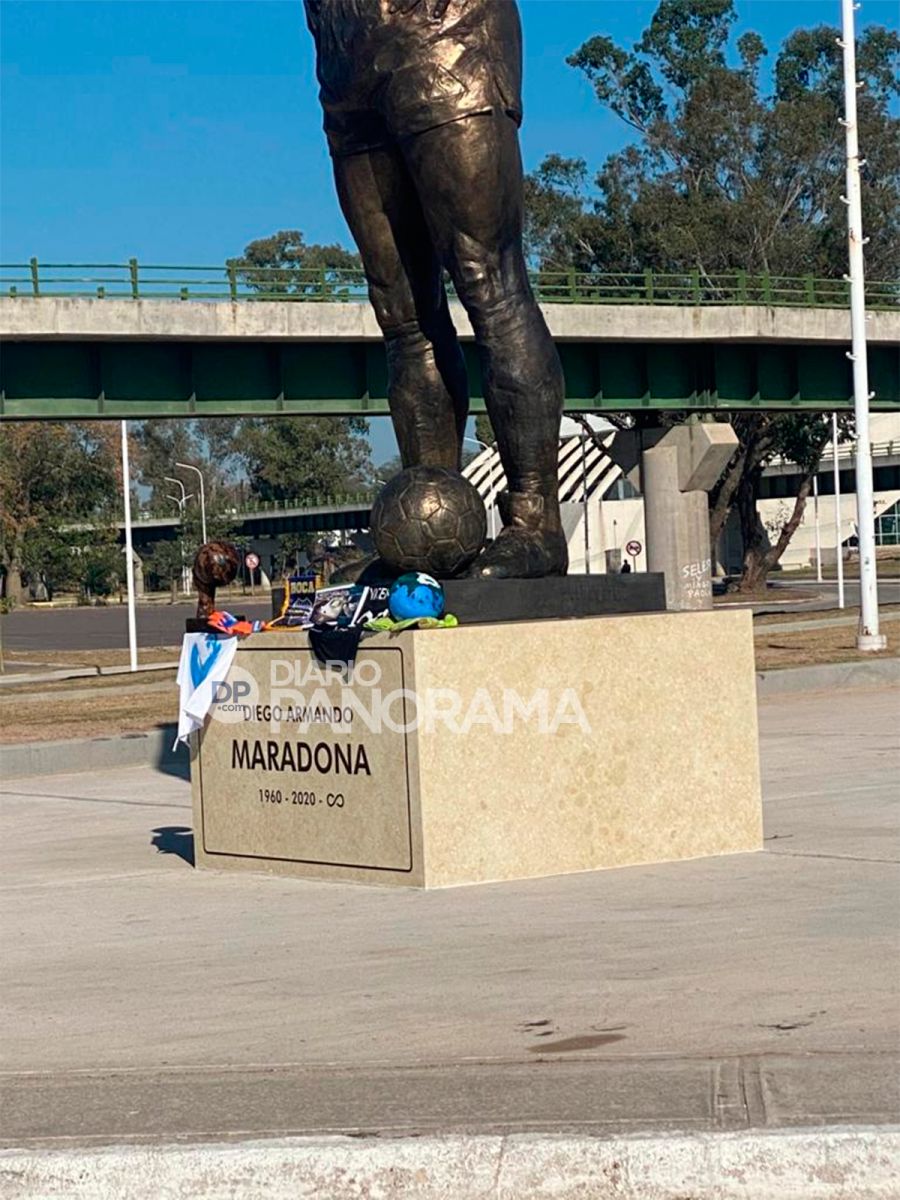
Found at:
[274, 508]
[366, 499]
[239, 283]
[846, 450]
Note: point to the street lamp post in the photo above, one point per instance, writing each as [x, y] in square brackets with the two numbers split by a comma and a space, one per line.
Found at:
[181, 501]
[868, 636]
[188, 467]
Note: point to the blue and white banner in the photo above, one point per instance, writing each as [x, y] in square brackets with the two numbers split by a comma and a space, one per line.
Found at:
[206, 659]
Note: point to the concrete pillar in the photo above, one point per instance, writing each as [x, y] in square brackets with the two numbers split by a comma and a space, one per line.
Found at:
[677, 531]
[138, 577]
[137, 570]
[676, 469]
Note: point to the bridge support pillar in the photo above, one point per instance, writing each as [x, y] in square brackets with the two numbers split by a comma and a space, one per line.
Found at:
[675, 469]
[676, 524]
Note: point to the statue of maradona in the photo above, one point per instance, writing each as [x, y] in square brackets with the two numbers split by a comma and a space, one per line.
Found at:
[422, 103]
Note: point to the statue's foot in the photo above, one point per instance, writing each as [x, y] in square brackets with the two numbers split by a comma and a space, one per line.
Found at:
[523, 554]
[531, 543]
[368, 570]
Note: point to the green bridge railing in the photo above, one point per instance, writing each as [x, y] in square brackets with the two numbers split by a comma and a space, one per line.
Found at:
[271, 508]
[237, 283]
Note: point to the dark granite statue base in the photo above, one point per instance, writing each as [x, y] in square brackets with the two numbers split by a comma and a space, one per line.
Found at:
[489, 601]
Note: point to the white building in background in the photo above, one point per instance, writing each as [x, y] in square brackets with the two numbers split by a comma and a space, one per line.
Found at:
[779, 487]
[602, 512]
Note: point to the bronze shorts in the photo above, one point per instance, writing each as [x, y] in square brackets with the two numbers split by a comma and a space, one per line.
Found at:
[387, 76]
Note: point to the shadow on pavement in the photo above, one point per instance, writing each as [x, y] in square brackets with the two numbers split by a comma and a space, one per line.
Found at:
[175, 839]
[171, 761]
[174, 760]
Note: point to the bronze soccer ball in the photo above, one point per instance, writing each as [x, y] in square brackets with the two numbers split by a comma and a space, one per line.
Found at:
[429, 519]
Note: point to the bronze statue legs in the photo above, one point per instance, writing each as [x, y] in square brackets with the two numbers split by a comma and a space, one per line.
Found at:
[427, 383]
[452, 197]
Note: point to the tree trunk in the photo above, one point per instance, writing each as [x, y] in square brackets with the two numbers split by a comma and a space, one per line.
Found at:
[760, 557]
[753, 535]
[791, 525]
[721, 499]
[15, 584]
[755, 572]
[755, 437]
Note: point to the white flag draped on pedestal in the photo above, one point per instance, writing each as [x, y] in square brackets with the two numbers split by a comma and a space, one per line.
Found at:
[206, 659]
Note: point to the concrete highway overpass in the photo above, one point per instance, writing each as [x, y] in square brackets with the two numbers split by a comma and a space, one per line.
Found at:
[267, 522]
[73, 356]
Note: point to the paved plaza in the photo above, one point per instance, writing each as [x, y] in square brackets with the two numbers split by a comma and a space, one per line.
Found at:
[148, 1002]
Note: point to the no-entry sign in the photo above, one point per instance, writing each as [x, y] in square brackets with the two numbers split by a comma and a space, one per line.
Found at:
[252, 561]
[633, 548]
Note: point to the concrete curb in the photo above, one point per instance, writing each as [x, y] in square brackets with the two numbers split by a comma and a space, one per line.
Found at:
[48, 676]
[799, 1164]
[83, 673]
[157, 666]
[825, 623]
[876, 672]
[153, 748]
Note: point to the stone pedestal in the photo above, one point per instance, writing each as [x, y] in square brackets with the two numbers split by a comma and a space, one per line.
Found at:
[485, 753]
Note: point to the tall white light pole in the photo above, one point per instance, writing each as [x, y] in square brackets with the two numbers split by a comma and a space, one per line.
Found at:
[868, 637]
[188, 467]
[838, 538]
[818, 529]
[129, 550]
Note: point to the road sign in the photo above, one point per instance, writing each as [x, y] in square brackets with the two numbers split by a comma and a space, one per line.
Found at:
[633, 548]
[252, 561]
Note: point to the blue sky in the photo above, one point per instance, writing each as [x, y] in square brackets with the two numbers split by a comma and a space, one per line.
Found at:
[178, 131]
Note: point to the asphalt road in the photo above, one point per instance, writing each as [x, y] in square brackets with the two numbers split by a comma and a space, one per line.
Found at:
[823, 596]
[103, 628]
[163, 624]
